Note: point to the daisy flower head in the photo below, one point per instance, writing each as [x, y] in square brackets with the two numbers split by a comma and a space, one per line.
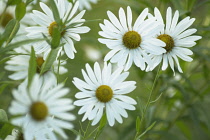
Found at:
[177, 37]
[19, 64]
[42, 106]
[86, 4]
[71, 26]
[131, 43]
[103, 91]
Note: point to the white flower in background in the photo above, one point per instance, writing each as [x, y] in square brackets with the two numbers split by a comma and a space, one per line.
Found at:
[47, 22]
[7, 15]
[19, 64]
[86, 4]
[177, 38]
[17, 135]
[42, 107]
[102, 91]
[130, 44]
[92, 53]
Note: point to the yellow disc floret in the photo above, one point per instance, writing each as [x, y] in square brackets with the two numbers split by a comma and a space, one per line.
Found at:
[39, 61]
[104, 93]
[168, 40]
[52, 26]
[39, 111]
[132, 39]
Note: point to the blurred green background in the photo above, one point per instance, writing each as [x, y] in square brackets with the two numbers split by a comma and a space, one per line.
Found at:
[182, 112]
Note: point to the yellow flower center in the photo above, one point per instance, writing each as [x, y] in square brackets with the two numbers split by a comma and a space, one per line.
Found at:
[6, 18]
[39, 111]
[52, 26]
[132, 39]
[168, 40]
[39, 61]
[104, 93]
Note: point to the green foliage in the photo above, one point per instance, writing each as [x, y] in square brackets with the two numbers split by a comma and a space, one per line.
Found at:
[6, 130]
[56, 36]
[10, 30]
[32, 69]
[3, 116]
[55, 12]
[13, 2]
[49, 61]
[20, 11]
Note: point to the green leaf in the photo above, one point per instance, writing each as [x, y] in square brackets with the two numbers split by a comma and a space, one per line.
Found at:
[55, 12]
[20, 11]
[148, 128]
[2, 61]
[3, 116]
[6, 130]
[11, 30]
[13, 2]
[2, 87]
[32, 66]
[49, 61]
[56, 36]
[103, 122]
[138, 121]
[18, 44]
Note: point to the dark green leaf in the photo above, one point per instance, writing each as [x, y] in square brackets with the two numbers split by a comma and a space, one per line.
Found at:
[3, 116]
[11, 30]
[103, 122]
[56, 36]
[2, 61]
[49, 61]
[20, 11]
[6, 130]
[32, 66]
[55, 12]
[13, 2]
[2, 87]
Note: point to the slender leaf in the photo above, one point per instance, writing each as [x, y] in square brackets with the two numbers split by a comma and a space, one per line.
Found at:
[20, 11]
[13, 2]
[2, 87]
[148, 128]
[11, 29]
[49, 61]
[18, 44]
[6, 130]
[3, 116]
[56, 36]
[32, 66]
[55, 12]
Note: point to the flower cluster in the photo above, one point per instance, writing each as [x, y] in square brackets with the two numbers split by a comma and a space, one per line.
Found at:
[40, 107]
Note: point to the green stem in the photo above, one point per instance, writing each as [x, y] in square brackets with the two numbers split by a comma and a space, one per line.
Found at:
[59, 63]
[148, 101]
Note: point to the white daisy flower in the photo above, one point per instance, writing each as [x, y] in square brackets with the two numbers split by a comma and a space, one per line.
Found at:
[47, 23]
[130, 44]
[104, 92]
[177, 38]
[5, 16]
[42, 107]
[17, 135]
[85, 4]
[19, 64]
